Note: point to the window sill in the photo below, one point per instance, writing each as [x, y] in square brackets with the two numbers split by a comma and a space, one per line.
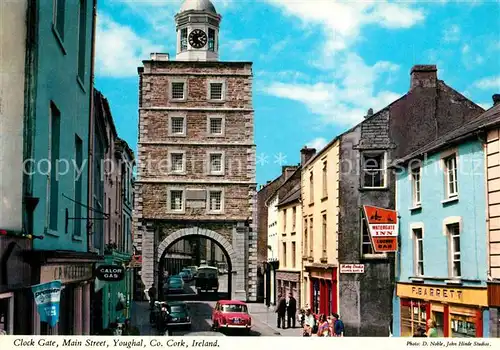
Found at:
[324, 198]
[449, 200]
[323, 260]
[417, 207]
[381, 256]
[364, 189]
[215, 212]
[310, 258]
[293, 233]
[174, 212]
[456, 281]
[216, 101]
[59, 39]
[417, 279]
[311, 204]
[215, 135]
[177, 135]
[180, 100]
[180, 173]
[80, 84]
[77, 238]
[52, 233]
[283, 234]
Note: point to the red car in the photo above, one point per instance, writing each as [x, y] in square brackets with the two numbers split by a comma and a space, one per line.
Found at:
[231, 314]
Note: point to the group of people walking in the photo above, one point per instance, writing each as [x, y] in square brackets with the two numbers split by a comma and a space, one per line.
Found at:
[323, 326]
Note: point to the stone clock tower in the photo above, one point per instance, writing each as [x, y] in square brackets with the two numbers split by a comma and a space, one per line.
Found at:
[196, 157]
[197, 31]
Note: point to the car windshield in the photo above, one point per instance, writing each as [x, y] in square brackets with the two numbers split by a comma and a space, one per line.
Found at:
[234, 308]
[177, 309]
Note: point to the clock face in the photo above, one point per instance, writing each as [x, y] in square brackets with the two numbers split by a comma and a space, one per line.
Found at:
[197, 38]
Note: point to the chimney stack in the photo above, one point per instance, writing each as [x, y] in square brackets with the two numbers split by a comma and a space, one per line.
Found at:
[287, 170]
[423, 75]
[369, 113]
[306, 154]
[496, 99]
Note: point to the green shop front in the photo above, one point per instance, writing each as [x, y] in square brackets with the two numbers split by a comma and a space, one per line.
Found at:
[114, 279]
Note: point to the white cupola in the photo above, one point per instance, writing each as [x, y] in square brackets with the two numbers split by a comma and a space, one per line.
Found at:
[197, 25]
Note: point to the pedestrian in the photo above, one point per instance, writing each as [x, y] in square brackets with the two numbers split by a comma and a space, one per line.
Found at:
[281, 311]
[323, 327]
[420, 332]
[432, 330]
[338, 326]
[309, 323]
[301, 317]
[291, 310]
[152, 297]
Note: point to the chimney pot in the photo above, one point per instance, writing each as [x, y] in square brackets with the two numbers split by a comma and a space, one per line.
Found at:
[496, 99]
[423, 75]
[306, 154]
[369, 113]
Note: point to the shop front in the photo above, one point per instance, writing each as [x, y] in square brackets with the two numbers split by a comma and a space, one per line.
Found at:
[75, 271]
[117, 294]
[288, 282]
[322, 289]
[494, 305]
[458, 311]
[15, 285]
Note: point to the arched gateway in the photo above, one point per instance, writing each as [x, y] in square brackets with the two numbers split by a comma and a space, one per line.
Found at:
[236, 276]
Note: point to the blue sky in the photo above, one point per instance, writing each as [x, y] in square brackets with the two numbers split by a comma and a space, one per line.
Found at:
[318, 64]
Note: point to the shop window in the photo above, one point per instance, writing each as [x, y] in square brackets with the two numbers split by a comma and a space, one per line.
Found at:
[316, 297]
[413, 315]
[438, 317]
[6, 314]
[330, 297]
[462, 326]
[66, 311]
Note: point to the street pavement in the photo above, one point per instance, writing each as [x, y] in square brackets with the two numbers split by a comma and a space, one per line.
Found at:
[200, 307]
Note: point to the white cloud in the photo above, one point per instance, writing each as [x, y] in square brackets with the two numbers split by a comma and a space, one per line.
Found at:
[345, 100]
[465, 48]
[238, 46]
[120, 50]
[452, 33]
[487, 83]
[341, 21]
[318, 143]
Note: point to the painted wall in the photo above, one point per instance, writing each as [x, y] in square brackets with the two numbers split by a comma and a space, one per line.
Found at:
[321, 203]
[493, 173]
[12, 63]
[272, 229]
[470, 209]
[57, 83]
[291, 233]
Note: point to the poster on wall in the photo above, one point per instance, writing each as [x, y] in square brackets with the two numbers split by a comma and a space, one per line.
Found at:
[383, 227]
[47, 297]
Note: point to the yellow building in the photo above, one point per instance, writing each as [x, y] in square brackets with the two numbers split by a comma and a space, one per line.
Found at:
[288, 276]
[320, 208]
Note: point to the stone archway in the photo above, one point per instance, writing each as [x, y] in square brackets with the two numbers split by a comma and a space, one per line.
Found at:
[237, 281]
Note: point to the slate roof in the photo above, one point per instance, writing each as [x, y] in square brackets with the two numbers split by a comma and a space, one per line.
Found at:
[293, 195]
[488, 119]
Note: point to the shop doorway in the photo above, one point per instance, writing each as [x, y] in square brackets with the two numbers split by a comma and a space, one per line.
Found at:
[438, 317]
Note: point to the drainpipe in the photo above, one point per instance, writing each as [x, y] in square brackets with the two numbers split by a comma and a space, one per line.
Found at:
[91, 134]
[485, 165]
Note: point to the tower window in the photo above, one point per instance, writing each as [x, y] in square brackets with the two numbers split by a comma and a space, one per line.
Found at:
[184, 39]
[211, 39]
[178, 91]
[216, 91]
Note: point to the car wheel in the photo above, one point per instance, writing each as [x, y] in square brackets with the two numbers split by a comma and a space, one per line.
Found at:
[246, 331]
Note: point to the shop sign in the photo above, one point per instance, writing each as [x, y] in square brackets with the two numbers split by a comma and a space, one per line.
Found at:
[467, 296]
[325, 274]
[110, 273]
[66, 273]
[47, 298]
[383, 227]
[352, 268]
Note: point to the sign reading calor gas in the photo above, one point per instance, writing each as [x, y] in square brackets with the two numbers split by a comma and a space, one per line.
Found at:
[110, 273]
[383, 226]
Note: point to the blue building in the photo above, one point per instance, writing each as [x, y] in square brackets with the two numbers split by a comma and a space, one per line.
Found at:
[442, 264]
[57, 131]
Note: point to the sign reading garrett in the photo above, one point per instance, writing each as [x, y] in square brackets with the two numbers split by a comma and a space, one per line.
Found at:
[110, 273]
[383, 226]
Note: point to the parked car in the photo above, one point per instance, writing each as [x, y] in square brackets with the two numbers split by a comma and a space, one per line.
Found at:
[231, 314]
[174, 284]
[188, 273]
[194, 270]
[207, 280]
[179, 315]
[184, 276]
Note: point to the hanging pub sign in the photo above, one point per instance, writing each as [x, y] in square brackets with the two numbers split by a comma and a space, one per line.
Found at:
[383, 227]
[110, 273]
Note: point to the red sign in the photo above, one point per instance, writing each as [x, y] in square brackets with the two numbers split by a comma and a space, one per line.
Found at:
[383, 227]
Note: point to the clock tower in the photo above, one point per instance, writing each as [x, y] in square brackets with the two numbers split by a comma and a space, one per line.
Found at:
[197, 25]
